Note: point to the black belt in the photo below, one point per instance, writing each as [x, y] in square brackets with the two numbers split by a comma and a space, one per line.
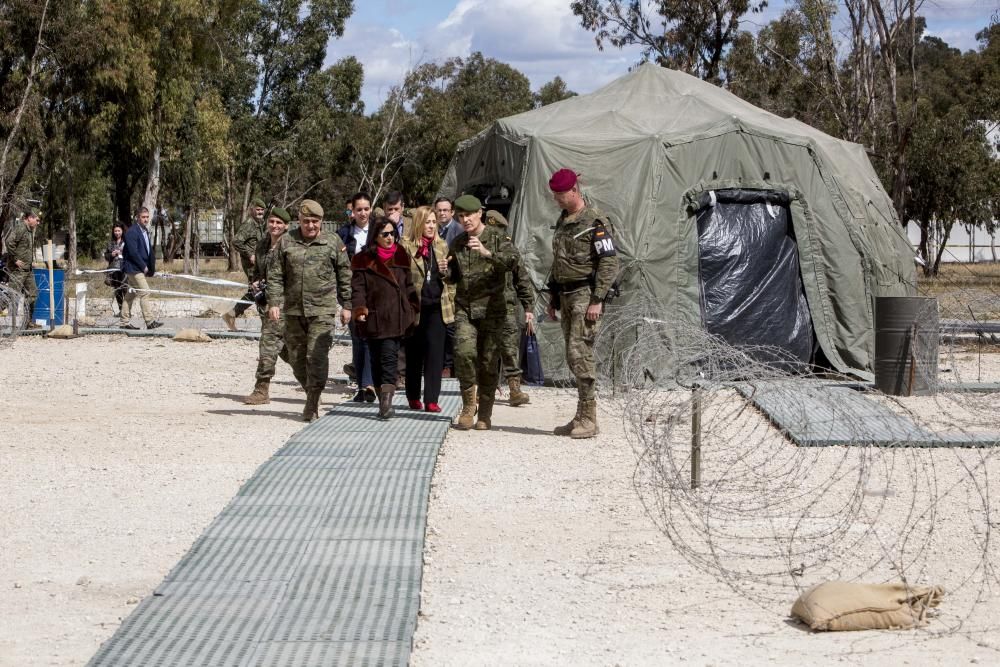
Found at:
[572, 287]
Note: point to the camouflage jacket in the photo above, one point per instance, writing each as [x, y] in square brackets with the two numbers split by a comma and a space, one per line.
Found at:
[20, 246]
[264, 254]
[247, 237]
[582, 250]
[309, 278]
[481, 281]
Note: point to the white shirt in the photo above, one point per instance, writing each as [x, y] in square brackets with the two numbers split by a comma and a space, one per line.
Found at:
[360, 235]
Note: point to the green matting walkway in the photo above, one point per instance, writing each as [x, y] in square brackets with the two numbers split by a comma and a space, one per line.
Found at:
[316, 561]
[819, 413]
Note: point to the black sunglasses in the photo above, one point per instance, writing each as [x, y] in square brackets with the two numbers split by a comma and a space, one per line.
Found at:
[385, 234]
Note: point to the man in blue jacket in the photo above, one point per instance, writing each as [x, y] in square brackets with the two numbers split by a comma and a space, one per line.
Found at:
[138, 261]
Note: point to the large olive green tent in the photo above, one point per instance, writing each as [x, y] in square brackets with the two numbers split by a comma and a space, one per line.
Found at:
[760, 228]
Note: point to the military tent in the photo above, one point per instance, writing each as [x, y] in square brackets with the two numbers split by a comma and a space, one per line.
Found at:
[762, 229]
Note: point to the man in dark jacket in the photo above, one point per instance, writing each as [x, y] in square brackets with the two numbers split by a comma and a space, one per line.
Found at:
[138, 262]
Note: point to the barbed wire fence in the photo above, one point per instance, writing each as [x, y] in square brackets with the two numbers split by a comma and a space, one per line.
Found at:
[769, 518]
[13, 315]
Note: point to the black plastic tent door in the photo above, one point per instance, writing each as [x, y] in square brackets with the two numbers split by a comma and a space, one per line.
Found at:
[751, 287]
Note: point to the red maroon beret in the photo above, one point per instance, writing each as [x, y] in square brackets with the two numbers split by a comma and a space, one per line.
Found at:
[562, 181]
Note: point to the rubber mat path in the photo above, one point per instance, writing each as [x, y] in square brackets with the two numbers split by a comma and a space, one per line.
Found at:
[316, 561]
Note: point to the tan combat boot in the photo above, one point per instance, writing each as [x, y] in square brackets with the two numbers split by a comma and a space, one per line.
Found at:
[483, 422]
[468, 409]
[260, 395]
[229, 317]
[567, 428]
[586, 423]
[517, 397]
[311, 411]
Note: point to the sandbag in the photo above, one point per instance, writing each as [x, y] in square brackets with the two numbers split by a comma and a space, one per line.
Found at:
[192, 336]
[839, 605]
[61, 331]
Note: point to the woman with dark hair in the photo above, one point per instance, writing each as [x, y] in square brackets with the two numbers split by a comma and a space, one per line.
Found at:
[113, 256]
[385, 304]
[425, 348]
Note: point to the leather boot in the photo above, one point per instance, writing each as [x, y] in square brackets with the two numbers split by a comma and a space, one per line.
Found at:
[586, 424]
[260, 395]
[311, 411]
[517, 397]
[567, 428]
[385, 394]
[468, 409]
[483, 422]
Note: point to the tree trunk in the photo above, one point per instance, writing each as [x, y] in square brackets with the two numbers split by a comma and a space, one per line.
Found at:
[152, 193]
[71, 220]
[123, 193]
[247, 190]
[197, 242]
[187, 240]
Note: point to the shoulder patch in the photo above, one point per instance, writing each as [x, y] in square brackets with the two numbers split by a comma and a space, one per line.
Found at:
[601, 241]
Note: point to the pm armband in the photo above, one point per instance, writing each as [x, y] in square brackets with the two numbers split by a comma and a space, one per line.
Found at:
[601, 242]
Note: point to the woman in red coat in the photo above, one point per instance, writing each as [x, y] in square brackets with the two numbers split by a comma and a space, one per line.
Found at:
[385, 304]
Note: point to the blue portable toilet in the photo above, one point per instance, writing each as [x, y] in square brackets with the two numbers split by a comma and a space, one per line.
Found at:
[42, 302]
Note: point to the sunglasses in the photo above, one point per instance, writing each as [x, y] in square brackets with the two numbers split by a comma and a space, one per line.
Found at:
[385, 235]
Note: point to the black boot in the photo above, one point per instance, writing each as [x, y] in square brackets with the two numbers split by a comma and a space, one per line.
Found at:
[385, 395]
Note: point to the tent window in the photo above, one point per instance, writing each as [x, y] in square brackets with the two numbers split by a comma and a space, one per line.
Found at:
[748, 266]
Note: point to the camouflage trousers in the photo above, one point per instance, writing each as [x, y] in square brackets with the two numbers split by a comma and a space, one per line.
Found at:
[477, 352]
[307, 342]
[579, 335]
[510, 343]
[23, 282]
[271, 347]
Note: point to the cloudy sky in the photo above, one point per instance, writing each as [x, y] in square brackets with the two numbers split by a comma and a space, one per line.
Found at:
[541, 38]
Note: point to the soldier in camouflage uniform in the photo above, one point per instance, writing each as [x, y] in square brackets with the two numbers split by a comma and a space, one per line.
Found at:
[248, 235]
[478, 262]
[584, 268]
[309, 275]
[518, 290]
[272, 333]
[20, 245]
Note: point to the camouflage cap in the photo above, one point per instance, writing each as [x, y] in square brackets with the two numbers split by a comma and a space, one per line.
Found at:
[310, 209]
[278, 212]
[468, 204]
[495, 218]
[258, 203]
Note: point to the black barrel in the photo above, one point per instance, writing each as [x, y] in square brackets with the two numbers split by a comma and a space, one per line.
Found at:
[906, 345]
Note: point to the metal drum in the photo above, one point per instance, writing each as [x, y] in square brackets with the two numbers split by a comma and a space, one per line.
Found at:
[906, 345]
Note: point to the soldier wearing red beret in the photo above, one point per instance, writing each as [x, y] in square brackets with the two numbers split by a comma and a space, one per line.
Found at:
[584, 267]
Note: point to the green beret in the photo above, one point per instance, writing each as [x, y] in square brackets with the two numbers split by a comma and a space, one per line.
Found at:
[310, 209]
[468, 204]
[258, 203]
[494, 218]
[278, 212]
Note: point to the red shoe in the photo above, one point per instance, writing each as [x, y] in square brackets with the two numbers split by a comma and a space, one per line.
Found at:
[433, 407]
[416, 405]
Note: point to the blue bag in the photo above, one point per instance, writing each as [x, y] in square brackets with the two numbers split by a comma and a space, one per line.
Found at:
[531, 358]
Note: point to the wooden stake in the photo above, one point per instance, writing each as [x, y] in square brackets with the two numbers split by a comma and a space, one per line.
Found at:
[52, 287]
[695, 437]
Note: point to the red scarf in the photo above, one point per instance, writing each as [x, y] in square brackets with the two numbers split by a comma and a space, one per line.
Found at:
[385, 254]
[425, 247]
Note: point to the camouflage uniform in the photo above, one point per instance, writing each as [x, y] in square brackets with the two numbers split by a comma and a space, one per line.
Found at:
[272, 334]
[584, 267]
[248, 235]
[21, 246]
[518, 289]
[480, 312]
[306, 280]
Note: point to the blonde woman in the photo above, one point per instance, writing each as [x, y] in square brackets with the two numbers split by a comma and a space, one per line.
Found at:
[425, 347]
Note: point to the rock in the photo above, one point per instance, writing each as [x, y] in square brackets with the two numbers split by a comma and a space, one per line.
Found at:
[83, 581]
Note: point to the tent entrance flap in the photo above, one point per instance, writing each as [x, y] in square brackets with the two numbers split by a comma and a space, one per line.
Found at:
[748, 268]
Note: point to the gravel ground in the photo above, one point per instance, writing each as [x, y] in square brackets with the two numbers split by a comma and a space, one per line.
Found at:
[116, 453]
